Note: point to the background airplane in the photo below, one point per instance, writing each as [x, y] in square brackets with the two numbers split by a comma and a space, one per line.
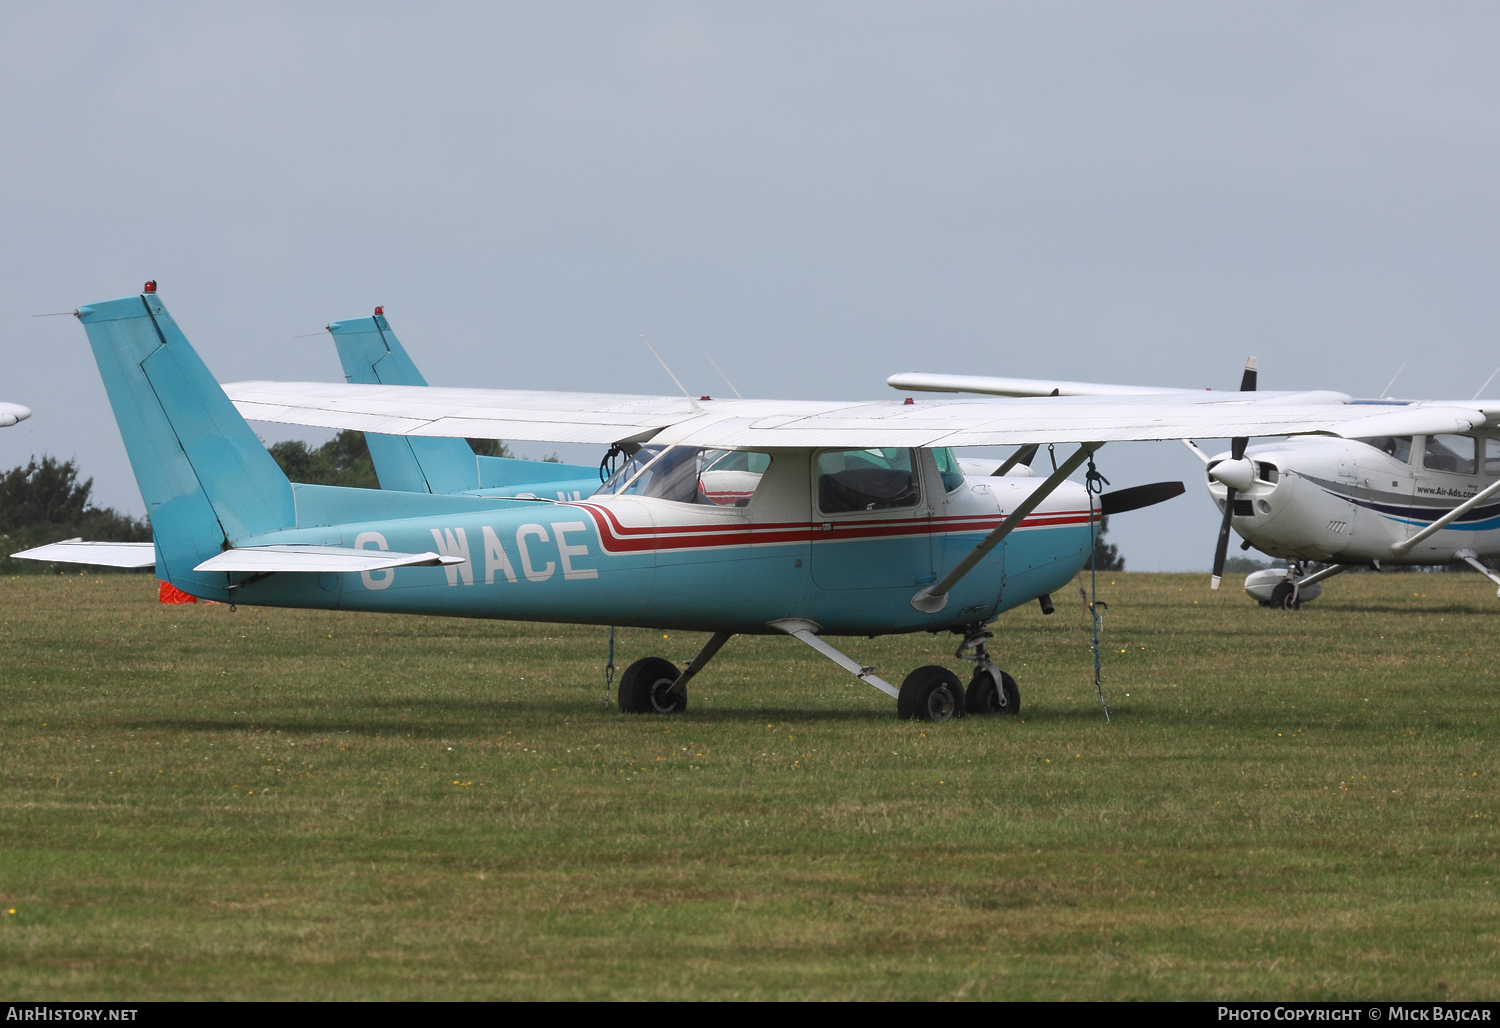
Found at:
[844, 519]
[372, 355]
[1378, 500]
[12, 413]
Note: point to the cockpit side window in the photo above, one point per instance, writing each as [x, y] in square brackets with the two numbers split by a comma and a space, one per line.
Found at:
[1398, 446]
[691, 474]
[1492, 458]
[863, 480]
[1450, 453]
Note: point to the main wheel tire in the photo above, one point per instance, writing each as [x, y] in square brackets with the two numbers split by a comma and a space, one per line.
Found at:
[646, 688]
[986, 696]
[930, 693]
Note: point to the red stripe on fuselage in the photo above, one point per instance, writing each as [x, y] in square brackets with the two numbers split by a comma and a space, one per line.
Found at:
[618, 538]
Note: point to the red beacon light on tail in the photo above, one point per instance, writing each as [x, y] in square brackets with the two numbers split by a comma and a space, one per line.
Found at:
[379, 311]
[150, 287]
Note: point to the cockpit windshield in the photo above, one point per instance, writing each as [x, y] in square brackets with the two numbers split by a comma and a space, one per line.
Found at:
[690, 474]
[1398, 446]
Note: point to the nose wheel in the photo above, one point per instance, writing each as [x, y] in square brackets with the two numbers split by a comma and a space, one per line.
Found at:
[992, 691]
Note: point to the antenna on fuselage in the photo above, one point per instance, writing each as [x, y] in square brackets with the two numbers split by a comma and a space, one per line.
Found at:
[1385, 394]
[690, 400]
[1486, 383]
[737, 392]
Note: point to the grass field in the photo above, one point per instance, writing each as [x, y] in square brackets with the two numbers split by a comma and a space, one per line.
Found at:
[279, 804]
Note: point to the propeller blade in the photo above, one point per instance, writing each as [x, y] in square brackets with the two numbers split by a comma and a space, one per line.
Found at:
[1222, 550]
[1136, 497]
[1025, 455]
[1237, 449]
[1247, 381]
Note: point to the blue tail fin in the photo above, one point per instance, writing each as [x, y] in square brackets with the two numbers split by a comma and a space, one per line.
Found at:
[371, 355]
[204, 475]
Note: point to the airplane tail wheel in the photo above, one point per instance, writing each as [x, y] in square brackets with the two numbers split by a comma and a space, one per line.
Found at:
[931, 693]
[646, 688]
[1284, 597]
[985, 696]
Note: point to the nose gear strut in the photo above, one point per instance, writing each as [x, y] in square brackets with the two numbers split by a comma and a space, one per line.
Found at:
[990, 691]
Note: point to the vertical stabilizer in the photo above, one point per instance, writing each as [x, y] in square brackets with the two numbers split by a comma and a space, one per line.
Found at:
[205, 476]
[372, 355]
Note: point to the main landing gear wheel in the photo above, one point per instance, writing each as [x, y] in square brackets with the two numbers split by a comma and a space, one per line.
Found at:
[646, 688]
[1284, 597]
[985, 696]
[931, 693]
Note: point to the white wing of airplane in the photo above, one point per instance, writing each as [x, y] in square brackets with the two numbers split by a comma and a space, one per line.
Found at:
[608, 418]
[10, 413]
[922, 382]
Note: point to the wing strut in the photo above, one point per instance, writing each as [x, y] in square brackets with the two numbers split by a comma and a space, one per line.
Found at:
[1402, 548]
[934, 597]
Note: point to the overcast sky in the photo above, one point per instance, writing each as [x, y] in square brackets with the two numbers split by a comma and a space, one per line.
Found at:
[815, 195]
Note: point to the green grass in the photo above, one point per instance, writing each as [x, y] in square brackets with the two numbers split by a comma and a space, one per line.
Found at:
[280, 804]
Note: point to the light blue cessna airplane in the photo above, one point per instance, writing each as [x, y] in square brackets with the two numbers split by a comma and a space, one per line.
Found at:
[811, 519]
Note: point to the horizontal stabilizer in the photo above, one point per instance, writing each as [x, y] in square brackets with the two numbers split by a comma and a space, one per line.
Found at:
[338, 559]
[109, 555]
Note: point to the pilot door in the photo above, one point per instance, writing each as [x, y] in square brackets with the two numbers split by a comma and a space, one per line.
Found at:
[870, 524]
[1448, 473]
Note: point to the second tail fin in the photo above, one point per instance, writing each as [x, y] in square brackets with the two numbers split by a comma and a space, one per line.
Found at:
[371, 355]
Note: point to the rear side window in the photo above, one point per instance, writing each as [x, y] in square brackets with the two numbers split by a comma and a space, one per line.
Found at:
[1451, 453]
[862, 480]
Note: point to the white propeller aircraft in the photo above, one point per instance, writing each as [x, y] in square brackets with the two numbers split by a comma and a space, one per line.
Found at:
[804, 518]
[1346, 499]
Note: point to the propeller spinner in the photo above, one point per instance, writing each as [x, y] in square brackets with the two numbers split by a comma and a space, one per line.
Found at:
[1237, 474]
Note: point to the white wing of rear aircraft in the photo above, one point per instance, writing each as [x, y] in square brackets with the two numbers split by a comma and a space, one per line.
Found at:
[922, 382]
[10, 413]
[608, 418]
